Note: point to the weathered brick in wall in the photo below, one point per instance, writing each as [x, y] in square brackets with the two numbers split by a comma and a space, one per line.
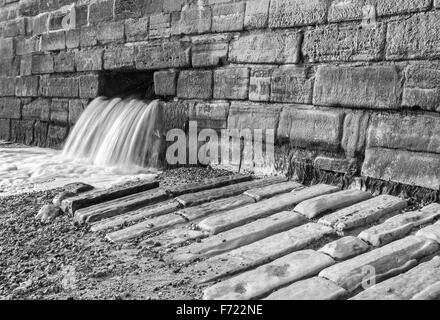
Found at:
[308, 128]
[292, 84]
[359, 87]
[194, 84]
[162, 55]
[344, 43]
[281, 47]
[231, 83]
[422, 86]
[417, 36]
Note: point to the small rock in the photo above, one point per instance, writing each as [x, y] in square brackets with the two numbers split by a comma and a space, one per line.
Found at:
[48, 213]
[78, 187]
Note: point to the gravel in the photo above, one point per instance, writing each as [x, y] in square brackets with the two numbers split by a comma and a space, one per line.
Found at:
[64, 261]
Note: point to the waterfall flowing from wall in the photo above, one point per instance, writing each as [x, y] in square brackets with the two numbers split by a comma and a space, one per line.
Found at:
[117, 132]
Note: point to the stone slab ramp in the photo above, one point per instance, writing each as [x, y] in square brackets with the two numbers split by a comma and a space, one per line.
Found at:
[276, 239]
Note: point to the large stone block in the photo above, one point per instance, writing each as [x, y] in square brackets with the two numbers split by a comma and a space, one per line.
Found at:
[7, 48]
[64, 62]
[422, 86]
[137, 29]
[56, 136]
[128, 8]
[420, 133]
[59, 111]
[248, 115]
[42, 63]
[414, 37]
[76, 108]
[73, 38]
[269, 47]
[292, 84]
[7, 86]
[14, 28]
[53, 41]
[119, 58]
[257, 14]
[293, 13]
[194, 84]
[24, 46]
[110, 32]
[210, 115]
[5, 129]
[304, 127]
[193, 20]
[89, 60]
[10, 66]
[162, 55]
[26, 65]
[10, 108]
[412, 168]
[228, 17]
[90, 86]
[27, 86]
[344, 43]
[88, 37]
[160, 26]
[38, 109]
[61, 87]
[360, 87]
[210, 51]
[260, 83]
[231, 83]
[101, 10]
[355, 133]
[22, 131]
[165, 83]
[40, 134]
[348, 10]
[40, 24]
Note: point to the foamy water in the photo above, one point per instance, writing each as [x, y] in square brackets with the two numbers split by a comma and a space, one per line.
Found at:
[35, 169]
[114, 141]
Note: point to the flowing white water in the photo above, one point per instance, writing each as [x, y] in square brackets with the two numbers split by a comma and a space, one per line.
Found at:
[114, 141]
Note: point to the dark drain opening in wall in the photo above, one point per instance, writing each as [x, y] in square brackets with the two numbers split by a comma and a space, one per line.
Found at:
[126, 84]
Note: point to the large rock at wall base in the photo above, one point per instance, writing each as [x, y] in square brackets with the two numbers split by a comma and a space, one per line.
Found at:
[40, 134]
[22, 131]
[412, 168]
[360, 87]
[5, 129]
[420, 133]
[162, 55]
[355, 130]
[292, 84]
[310, 128]
[344, 43]
[268, 47]
[195, 84]
[417, 36]
[56, 136]
[284, 13]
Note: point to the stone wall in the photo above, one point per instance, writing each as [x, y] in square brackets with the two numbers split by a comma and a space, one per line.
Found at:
[344, 93]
